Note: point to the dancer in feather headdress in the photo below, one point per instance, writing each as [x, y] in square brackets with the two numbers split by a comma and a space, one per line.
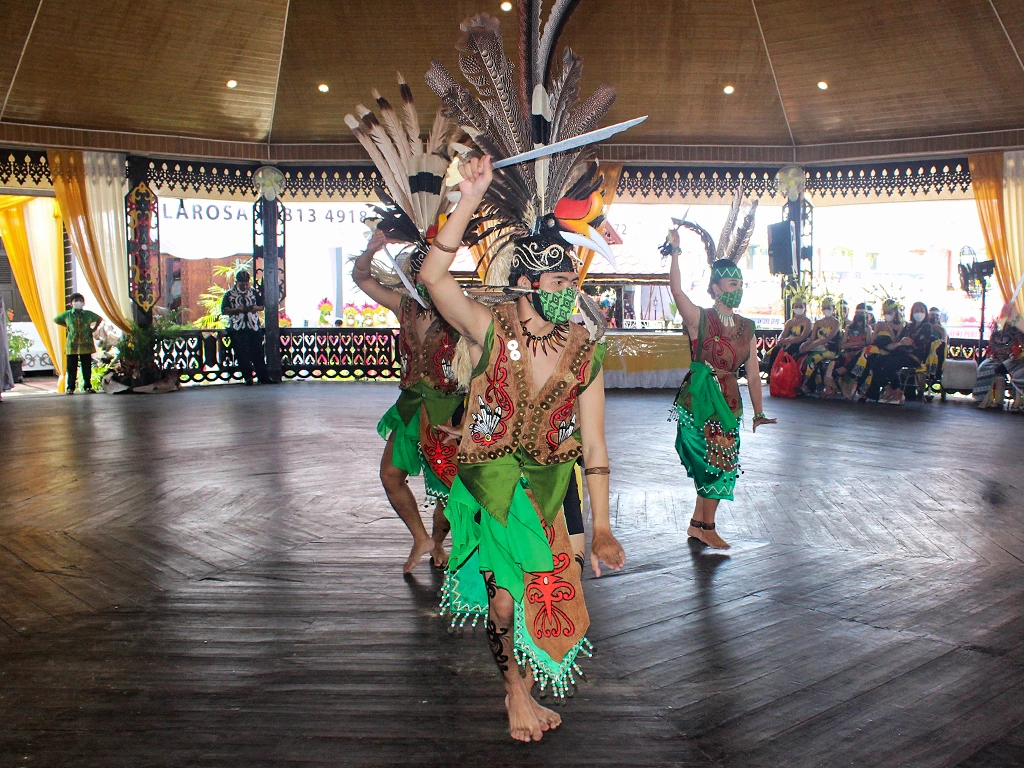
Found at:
[414, 206]
[536, 397]
[708, 404]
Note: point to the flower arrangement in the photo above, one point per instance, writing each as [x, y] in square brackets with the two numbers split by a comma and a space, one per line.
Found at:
[283, 321]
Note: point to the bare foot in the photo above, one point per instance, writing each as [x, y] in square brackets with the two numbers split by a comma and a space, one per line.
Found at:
[713, 540]
[523, 724]
[693, 532]
[419, 549]
[438, 557]
[549, 719]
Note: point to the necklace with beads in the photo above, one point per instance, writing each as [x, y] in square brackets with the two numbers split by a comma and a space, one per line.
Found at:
[552, 341]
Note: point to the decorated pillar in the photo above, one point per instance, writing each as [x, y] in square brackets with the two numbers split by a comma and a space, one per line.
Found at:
[143, 220]
[268, 259]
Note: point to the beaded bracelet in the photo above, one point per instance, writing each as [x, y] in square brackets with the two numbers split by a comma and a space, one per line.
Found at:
[759, 416]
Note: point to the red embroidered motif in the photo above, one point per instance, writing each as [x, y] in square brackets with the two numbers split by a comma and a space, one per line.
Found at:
[440, 457]
[548, 589]
[563, 420]
[489, 425]
[443, 359]
[718, 347]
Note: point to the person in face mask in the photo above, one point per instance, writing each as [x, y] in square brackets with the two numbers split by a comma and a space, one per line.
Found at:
[535, 404]
[81, 324]
[820, 351]
[855, 339]
[911, 348]
[864, 372]
[794, 332]
[708, 405]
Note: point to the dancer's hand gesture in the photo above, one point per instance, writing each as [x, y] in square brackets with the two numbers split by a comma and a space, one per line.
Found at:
[606, 548]
[476, 177]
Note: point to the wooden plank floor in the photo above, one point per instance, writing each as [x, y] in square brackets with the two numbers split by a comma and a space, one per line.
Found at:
[212, 578]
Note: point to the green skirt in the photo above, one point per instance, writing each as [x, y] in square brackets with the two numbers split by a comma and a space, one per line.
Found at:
[481, 544]
[710, 455]
[406, 453]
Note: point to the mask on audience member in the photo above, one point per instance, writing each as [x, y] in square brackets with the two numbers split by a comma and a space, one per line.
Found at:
[919, 317]
[77, 304]
[890, 317]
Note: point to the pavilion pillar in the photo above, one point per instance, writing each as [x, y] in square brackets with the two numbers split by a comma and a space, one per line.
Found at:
[271, 287]
[143, 234]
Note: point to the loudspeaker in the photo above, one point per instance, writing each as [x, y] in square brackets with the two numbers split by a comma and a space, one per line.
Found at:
[781, 248]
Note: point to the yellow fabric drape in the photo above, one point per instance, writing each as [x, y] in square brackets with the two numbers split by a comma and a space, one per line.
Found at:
[31, 231]
[1009, 272]
[987, 185]
[612, 172]
[68, 173]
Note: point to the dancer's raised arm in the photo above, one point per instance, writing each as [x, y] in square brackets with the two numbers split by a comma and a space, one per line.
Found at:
[362, 277]
[689, 311]
[470, 318]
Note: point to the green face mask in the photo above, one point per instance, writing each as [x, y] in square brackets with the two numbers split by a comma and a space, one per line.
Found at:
[557, 307]
[732, 299]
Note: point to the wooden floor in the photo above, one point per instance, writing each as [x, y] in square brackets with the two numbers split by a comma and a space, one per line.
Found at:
[212, 578]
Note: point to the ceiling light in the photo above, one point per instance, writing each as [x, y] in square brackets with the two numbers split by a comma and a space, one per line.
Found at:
[323, 88]
[232, 83]
[823, 85]
[729, 89]
[506, 7]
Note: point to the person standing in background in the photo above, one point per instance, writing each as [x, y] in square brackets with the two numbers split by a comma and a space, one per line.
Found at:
[242, 306]
[6, 376]
[81, 324]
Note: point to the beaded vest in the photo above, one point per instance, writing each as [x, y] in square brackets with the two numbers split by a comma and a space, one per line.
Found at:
[431, 359]
[503, 414]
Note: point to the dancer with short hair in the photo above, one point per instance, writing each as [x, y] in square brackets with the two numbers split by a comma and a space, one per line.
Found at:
[418, 426]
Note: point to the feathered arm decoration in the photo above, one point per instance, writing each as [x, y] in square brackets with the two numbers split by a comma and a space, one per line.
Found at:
[705, 237]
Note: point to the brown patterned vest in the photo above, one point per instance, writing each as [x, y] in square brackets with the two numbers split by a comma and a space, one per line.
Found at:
[502, 414]
[431, 359]
[724, 349]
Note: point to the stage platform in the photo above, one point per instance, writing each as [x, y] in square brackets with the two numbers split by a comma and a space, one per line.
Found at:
[213, 578]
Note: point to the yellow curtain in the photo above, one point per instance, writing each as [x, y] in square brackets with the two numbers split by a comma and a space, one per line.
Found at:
[987, 185]
[67, 171]
[31, 231]
[612, 172]
[1010, 271]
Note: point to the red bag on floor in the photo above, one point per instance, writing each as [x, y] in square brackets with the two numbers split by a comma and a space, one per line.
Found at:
[785, 376]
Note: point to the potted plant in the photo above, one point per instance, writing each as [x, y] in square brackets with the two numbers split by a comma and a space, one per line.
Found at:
[18, 344]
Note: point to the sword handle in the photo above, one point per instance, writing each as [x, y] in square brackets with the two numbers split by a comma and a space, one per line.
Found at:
[452, 176]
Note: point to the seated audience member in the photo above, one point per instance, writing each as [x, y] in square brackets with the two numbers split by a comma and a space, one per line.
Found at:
[941, 340]
[911, 349]
[884, 335]
[1005, 358]
[794, 333]
[820, 349]
[844, 314]
[856, 337]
